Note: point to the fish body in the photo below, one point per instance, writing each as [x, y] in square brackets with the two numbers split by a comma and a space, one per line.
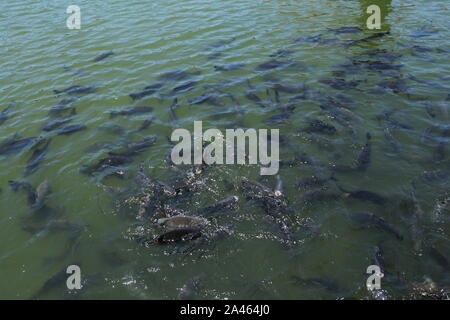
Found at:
[363, 160]
[35, 159]
[56, 123]
[72, 128]
[103, 56]
[179, 234]
[136, 147]
[224, 204]
[182, 222]
[149, 90]
[131, 110]
[76, 90]
[42, 192]
[370, 219]
[105, 163]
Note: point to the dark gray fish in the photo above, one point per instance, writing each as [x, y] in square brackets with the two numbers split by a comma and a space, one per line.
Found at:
[311, 39]
[281, 53]
[16, 144]
[314, 181]
[280, 117]
[396, 85]
[229, 67]
[136, 147]
[397, 124]
[365, 196]
[209, 98]
[439, 153]
[272, 64]
[58, 280]
[339, 84]
[56, 123]
[145, 124]
[182, 222]
[177, 75]
[440, 258]
[131, 110]
[318, 126]
[61, 107]
[179, 234]
[5, 114]
[22, 185]
[105, 163]
[320, 195]
[148, 90]
[371, 37]
[36, 158]
[370, 219]
[363, 160]
[42, 192]
[219, 44]
[345, 30]
[254, 97]
[187, 86]
[378, 259]
[224, 204]
[192, 287]
[289, 89]
[72, 128]
[76, 90]
[172, 115]
[103, 56]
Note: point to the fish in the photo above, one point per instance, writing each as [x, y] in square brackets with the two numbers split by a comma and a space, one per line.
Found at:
[105, 163]
[148, 90]
[339, 84]
[396, 85]
[318, 126]
[370, 219]
[206, 98]
[55, 123]
[134, 148]
[288, 89]
[130, 111]
[177, 75]
[61, 107]
[280, 117]
[16, 144]
[229, 67]
[187, 86]
[365, 196]
[345, 30]
[254, 97]
[145, 124]
[378, 259]
[71, 128]
[281, 53]
[363, 160]
[182, 222]
[440, 258]
[371, 37]
[22, 185]
[171, 110]
[77, 90]
[312, 39]
[103, 56]
[5, 114]
[192, 287]
[320, 195]
[314, 181]
[224, 204]
[179, 234]
[327, 283]
[36, 158]
[439, 153]
[42, 192]
[219, 44]
[272, 64]
[57, 280]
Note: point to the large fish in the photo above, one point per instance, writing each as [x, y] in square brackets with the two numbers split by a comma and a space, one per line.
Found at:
[179, 234]
[363, 160]
[369, 219]
[103, 56]
[76, 90]
[148, 90]
[136, 147]
[36, 158]
[131, 110]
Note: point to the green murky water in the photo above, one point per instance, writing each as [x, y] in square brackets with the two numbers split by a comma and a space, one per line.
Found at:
[38, 54]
